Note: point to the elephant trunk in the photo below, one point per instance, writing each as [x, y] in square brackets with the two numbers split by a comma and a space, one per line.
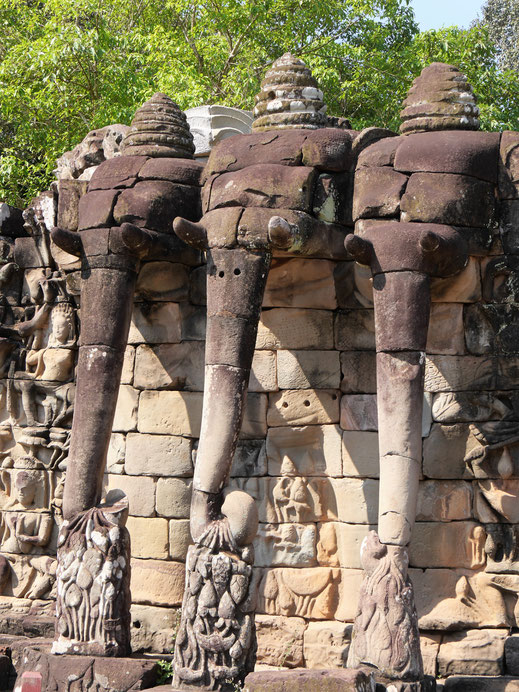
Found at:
[106, 307]
[402, 306]
[236, 281]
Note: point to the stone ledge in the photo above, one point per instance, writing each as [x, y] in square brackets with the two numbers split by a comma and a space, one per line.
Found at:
[111, 674]
[301, 680]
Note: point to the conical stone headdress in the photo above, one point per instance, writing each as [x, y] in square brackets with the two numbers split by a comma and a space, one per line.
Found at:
[159, 128]
[289, 98]
[439, 99]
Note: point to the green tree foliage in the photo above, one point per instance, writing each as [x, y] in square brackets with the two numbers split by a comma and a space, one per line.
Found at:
[69, 66]
[501, 18]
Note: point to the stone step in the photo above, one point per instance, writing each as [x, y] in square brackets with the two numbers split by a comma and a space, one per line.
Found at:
[480, 683]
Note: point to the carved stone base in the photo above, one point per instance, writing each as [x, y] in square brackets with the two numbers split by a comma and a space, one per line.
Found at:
[333, 680]
[93, 577]
[89, 674]
[216, 642]
[385, 632]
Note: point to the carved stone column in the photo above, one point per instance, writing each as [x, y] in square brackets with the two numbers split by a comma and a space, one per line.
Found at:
[403, 254]
[257, 201]
[124, 217]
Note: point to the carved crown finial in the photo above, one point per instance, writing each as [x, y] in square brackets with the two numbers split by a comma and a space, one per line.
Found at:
[289, 98]
[159, 128]
[439, 99]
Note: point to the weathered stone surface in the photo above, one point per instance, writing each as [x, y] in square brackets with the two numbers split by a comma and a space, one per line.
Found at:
[332, 200]
[509, 166]
[313, 450]
[285, 545]
[69, 193]
[171, 413]
[179, 539]
[155, 324]
[283, 147]
[170, 366]
[116, 453]
[458, 373]
[118, 172]
[282, 187]
[162, 281]
[429, 646]
[318, 593]
[512, 654]
[140, 493]
[465, 153]
[286, 289]
[360, 454]
[455, 544]
[358, 372]
[339, 544]
[193, 325]
[381, 153]
[444, 501]
[128, 364]
[303, 407]
[492, 329]
[376, 641]
[328, 149]
[351, 500]
[473, 683]
[174, 169]
[355, 331]
[250, 459]
[308, 369]
[113, 674]
[157, 582]
[125, 417]
[173, 498]
[280, 640]
[377, 193]
[475, 652]
[359, 412]
[153, 629]
[158, 455]
[348, 680]
[509, 226]
[448, 198]
[263, 377]
[326, 644]
[469, 407]
[95, 209]
[445, 335]
[149, 537]
[295, 329]
[149, 204]
[445, 450]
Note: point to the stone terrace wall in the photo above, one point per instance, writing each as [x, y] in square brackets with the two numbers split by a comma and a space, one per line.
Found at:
[308, 452]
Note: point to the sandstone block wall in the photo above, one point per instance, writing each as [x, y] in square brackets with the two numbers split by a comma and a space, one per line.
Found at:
[308, 449]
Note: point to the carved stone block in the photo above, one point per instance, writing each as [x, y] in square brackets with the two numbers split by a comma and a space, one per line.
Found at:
[475, 652]
[369, 201]
[303, 407]
[93, 596]
[295, 329]
[448, 198]
[280, 641]
[464, 153]
[308, 369]
[116, 674]
[313, 450]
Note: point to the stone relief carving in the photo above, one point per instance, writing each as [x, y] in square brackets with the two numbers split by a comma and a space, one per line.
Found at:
[93, 581]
